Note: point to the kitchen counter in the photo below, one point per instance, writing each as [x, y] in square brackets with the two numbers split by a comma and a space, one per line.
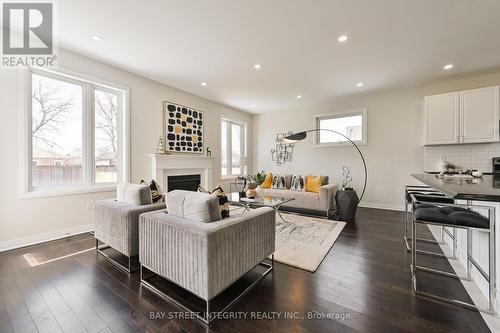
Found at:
[486, 188]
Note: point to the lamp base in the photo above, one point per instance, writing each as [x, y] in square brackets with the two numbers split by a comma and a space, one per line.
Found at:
[347, 204]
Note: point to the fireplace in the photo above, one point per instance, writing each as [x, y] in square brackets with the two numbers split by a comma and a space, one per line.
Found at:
[166, 166]
[183, 182]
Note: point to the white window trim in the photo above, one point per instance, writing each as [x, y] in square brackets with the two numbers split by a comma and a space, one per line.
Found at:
[229, 145]
[339, 114]
[25, 139]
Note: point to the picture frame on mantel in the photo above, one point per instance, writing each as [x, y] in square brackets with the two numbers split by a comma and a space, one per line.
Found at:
[182, 129]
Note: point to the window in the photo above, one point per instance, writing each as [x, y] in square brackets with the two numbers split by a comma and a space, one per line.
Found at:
[76, 133]
[352, 124]
[233, 148]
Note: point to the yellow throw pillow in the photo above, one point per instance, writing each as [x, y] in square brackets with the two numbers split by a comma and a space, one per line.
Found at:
[268, 181]
[313, 184]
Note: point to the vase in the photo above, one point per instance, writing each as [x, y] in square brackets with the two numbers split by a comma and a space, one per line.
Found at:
[347, 203]
[251, 193]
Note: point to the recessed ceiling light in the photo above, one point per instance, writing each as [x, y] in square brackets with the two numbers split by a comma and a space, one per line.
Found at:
[253, 105]
[203, 84]
[256, 66]
[97, 38]
[343, 38]
[448, 67]
[299, 96]
[360, 84]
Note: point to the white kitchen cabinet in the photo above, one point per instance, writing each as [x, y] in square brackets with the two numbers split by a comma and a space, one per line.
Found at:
[479, 115]
[442, 119]
[469, 116]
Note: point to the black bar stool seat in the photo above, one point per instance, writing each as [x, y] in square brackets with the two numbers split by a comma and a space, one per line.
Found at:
[425, 194]
[431, 195]
[454, 216]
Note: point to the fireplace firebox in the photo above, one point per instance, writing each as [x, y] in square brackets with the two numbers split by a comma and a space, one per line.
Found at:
[183, 182]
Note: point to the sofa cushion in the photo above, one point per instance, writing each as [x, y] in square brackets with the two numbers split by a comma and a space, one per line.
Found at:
[133, 194]
[297, 183]
[278, 182]
[313, 183]
[267, 181]
[288, 179]
[197, 206]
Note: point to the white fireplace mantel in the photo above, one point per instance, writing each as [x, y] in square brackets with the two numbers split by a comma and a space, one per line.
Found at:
[164, 166]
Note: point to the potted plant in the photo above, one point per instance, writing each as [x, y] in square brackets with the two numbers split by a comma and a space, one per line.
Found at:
[257, 179]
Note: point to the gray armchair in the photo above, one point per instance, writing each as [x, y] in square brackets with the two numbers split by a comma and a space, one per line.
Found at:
[204, 257]
[117, 222]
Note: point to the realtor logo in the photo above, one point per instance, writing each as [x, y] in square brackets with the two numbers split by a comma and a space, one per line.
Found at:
[27, 34]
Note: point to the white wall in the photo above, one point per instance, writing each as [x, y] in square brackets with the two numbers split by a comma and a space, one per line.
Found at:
[25, 220]
[395, 139]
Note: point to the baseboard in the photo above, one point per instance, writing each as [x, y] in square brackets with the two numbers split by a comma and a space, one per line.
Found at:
[45, 237]
[381, 206]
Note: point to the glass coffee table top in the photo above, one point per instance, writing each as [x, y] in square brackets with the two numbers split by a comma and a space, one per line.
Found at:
[259, 200]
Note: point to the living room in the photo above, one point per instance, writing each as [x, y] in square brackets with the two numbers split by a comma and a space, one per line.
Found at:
[325, 134]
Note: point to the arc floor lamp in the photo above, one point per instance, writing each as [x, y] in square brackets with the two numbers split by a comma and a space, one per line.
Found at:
[299, 136]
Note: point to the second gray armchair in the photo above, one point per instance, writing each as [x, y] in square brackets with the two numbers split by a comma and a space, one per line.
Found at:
[117, 222]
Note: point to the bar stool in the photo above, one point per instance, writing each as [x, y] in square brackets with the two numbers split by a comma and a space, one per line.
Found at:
[456, 216]
[427, 194]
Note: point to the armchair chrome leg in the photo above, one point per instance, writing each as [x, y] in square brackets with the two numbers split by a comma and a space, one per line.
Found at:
[127, 268]
[209, 317]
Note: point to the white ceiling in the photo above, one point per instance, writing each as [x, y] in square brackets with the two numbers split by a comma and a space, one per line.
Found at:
[392, 43]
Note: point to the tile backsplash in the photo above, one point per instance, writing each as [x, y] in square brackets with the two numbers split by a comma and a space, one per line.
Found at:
[466, 156]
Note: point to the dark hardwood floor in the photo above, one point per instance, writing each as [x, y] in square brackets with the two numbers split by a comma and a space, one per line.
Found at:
[365, 277]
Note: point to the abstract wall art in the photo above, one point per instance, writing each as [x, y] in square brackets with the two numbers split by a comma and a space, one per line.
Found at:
[182, 129]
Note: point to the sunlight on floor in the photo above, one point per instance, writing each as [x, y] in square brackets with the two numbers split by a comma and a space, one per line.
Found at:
[32, 261]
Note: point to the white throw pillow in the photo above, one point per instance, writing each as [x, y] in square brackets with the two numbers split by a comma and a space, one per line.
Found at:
[197, 206]
[278, 182]
[298, 183]
[133, 194]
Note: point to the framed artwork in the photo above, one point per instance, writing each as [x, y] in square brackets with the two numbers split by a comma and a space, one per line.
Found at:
[182, 129]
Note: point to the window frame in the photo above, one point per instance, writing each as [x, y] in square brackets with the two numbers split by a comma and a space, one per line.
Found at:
[88, 84]
[243, 146]
[363, 112]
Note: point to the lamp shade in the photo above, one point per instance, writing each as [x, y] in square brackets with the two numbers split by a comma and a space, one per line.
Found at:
[295, 137]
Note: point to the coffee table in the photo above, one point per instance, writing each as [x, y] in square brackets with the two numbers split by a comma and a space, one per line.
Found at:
[259, 201]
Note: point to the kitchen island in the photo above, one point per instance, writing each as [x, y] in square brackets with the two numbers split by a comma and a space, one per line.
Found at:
[486, 188]
[478, 192]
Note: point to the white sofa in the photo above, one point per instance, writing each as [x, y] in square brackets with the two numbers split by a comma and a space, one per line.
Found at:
[322, 202]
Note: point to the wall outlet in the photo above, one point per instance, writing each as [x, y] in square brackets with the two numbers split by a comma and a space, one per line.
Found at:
[91, 204]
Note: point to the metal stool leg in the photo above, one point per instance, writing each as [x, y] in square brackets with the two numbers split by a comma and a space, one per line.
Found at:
[492, 264]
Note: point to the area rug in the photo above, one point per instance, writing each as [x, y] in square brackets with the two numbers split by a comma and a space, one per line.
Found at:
[303, 241]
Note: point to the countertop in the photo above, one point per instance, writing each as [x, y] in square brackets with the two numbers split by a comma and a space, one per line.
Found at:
[486, 188]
